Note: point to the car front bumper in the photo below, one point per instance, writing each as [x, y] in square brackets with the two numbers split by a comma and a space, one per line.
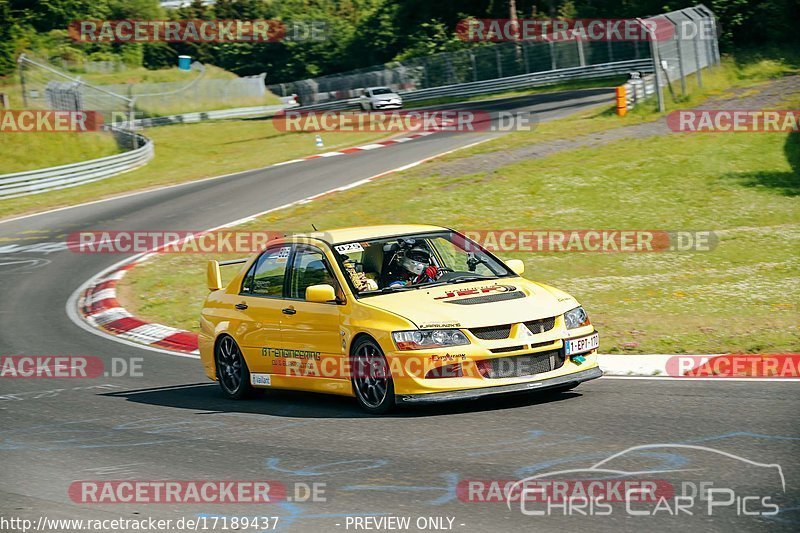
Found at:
[476, 393]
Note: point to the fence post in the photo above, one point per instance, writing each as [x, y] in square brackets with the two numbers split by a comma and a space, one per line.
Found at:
[697, 61]
[610, 51]
[656, 65]
[21, 64]
[450, 71]
[131, 109]
[715, 41]
[680, 67]
[552, 47]
[581, 56]
[499, 63]
[525, 57]
[474, 65]
[677, 35]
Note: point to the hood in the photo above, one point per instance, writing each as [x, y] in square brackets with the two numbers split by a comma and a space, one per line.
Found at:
[475, 304]
[388, 96]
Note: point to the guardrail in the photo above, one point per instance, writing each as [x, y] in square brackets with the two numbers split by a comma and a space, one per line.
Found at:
[61, 177]
[534, 79]
[199, 116]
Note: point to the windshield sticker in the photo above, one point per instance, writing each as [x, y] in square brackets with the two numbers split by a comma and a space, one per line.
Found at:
[283, 254]
[352, 247]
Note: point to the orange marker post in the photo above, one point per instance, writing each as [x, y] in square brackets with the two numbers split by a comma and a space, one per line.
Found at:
[622, 101]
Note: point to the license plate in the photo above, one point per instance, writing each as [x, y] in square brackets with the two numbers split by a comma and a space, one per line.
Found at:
[584, 344]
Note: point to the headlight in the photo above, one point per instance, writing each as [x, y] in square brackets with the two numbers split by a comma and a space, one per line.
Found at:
[576, 318]
[429, 338]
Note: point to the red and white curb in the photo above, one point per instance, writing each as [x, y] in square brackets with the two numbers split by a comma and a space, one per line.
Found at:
[99, 306]
[362, 148]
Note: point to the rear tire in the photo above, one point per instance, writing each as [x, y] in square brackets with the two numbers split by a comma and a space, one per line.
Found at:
[232, 372]
[371, 377]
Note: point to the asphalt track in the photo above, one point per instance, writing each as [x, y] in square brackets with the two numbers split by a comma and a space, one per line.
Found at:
[171, 423]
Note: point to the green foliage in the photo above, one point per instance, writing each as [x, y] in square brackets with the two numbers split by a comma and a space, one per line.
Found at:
[360, 32]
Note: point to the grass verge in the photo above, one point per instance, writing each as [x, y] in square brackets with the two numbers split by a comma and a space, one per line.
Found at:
[187, 152]
[29, 151]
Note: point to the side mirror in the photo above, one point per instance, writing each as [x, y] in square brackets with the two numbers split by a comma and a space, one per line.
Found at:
[516, 266]
[320, 293]
[213, 276]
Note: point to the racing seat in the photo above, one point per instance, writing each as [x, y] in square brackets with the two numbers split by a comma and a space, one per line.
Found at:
[372, 262]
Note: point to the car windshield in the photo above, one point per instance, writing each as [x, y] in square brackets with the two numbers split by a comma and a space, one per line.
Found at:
[382, 90]
[409, 262]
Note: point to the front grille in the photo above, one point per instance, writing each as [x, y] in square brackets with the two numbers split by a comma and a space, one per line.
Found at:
[541, 325]
[492, 333]
[499, 297]
[507, 349]
[521, 365]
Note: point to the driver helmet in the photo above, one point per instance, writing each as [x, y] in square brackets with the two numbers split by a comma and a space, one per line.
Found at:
[415, 260]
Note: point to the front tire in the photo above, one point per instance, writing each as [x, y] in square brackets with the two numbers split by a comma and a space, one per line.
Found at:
[371, 377]
[232, 372]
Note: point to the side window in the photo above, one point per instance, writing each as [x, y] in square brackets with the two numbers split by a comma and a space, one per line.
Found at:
[309, 268]
[265, 277]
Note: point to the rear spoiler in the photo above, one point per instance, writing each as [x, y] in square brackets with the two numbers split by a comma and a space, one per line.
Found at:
[213, 275]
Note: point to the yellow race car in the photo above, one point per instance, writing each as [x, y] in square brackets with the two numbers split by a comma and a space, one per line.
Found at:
[390, 315]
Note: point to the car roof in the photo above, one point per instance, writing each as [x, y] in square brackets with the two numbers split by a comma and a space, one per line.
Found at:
[362, 233]
[380, 87]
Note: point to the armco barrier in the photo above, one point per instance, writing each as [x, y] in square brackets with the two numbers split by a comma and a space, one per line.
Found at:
[523, 81]
[200, 116]
[61, 177]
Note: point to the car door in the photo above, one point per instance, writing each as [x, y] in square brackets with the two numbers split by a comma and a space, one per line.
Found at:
[311, 330]
[261, 301]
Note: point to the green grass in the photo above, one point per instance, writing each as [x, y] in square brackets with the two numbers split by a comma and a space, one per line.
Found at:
[29, 151]
[143, 75]
[733, 73]
[742, 296]
[187, 152]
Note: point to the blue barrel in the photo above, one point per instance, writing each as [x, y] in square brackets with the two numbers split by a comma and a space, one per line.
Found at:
[184, 62]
